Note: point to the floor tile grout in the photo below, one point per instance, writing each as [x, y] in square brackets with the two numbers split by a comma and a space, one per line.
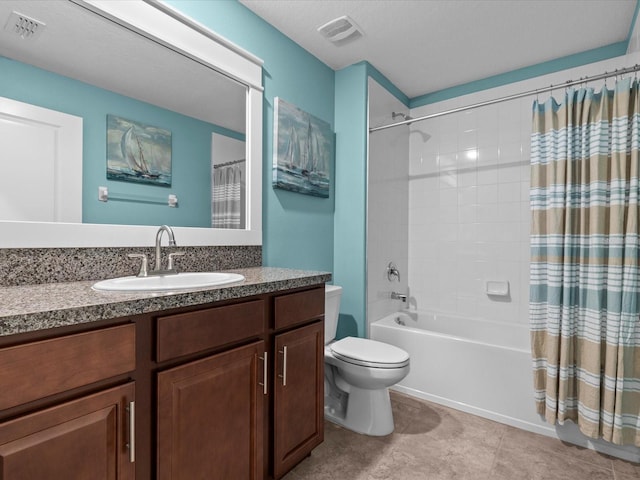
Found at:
[495, 457]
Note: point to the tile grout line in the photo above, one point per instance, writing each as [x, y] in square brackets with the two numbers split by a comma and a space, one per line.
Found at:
[495, 455]
[588, 461]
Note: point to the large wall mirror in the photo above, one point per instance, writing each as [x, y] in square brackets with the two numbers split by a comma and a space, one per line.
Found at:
[134, 116]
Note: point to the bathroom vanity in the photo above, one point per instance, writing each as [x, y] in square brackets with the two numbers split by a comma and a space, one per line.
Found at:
[224, 382]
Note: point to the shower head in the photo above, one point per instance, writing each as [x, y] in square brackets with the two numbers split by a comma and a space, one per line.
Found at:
[404, 116]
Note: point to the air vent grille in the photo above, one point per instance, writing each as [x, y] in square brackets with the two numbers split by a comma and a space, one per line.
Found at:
[340, 30]
[23, 26]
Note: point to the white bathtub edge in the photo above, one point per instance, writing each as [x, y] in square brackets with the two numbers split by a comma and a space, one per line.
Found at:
[480, 412]
[549, 431]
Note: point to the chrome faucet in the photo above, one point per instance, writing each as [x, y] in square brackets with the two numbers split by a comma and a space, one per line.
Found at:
[398, 296]
[157, 268]
[172, 243]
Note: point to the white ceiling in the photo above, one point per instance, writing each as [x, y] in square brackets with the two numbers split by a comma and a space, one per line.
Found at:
[423, 46]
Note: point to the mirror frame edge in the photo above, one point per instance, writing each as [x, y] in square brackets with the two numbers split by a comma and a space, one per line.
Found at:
[161, 22]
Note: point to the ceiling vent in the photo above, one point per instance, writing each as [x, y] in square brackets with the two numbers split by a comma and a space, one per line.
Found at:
[23, 26]
[340, 31]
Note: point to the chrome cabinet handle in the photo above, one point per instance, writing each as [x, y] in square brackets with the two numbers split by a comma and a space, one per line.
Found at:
[265, 370]
[132, 431]
[284, 366]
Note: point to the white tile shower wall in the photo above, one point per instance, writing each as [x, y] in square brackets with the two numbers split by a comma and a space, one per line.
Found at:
[387, 204]
[469, 218]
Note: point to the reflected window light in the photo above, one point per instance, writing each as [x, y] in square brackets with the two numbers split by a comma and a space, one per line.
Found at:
[471, 154]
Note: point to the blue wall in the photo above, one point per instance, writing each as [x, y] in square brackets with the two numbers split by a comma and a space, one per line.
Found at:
[350, 221]
[351, 197]
[191, 148]
[298, 229]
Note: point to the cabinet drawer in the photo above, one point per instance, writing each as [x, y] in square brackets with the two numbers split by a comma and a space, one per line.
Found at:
[193, 332]
[39, 369]
[298, 307]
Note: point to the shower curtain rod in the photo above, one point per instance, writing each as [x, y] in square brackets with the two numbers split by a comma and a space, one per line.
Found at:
[226, 164]
[568, 83]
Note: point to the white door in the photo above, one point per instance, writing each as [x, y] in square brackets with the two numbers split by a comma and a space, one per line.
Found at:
[40, 164]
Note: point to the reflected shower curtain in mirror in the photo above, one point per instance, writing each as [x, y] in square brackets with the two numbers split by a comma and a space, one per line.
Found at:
[225, 197]
[584, 308]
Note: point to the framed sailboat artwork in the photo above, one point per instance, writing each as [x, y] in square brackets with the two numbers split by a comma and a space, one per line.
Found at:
[303, 151]
[137, 152]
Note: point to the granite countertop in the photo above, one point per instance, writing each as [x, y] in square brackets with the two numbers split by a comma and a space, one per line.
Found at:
[37, 307]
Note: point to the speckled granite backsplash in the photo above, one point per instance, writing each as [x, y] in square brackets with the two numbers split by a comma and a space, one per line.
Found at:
[30, 266]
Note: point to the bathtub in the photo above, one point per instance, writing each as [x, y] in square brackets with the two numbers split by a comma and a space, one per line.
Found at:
[477, 366]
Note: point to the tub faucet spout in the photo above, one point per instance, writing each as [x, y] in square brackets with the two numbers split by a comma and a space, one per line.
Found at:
[398, 296]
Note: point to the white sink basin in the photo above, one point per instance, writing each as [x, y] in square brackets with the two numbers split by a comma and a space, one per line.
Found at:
[158, 283]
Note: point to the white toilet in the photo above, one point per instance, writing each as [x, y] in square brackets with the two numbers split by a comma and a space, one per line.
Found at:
[358, 374]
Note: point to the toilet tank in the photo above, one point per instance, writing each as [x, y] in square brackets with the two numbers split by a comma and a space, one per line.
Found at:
[332, 294]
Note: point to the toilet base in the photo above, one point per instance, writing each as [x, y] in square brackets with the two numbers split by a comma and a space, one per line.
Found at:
[367, 412]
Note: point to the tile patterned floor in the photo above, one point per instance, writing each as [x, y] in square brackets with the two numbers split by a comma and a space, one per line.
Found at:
[432, 442]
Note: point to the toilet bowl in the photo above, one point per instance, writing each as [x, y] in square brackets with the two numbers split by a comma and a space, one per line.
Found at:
[358, 374]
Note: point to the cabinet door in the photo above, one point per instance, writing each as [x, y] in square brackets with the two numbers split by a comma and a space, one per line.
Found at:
[298, 395]
[210, 417]
[77, 440]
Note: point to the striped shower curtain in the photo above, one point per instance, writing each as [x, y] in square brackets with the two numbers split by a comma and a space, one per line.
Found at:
[225, 197]
[584, 305]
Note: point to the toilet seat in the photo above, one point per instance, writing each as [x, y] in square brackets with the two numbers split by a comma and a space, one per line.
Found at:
[369, 353]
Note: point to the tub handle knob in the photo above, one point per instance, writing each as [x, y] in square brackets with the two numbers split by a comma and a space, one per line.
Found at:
[393, 272]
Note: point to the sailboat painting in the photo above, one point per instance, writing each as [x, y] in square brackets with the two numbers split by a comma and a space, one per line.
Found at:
[137, 152]
[303, 151]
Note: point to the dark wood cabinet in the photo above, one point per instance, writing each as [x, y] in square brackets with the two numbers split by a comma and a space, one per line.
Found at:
[227, 390]
[254, 411]
[210, 417]
[298, 395]
[67, 406]
[85, 438]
